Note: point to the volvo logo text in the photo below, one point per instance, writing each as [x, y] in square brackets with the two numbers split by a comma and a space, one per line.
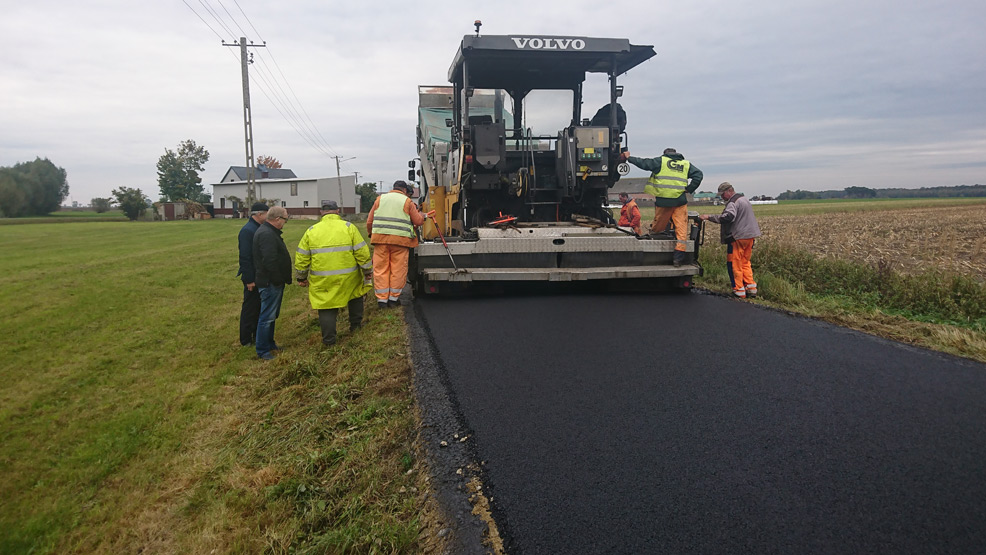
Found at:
[549, 43]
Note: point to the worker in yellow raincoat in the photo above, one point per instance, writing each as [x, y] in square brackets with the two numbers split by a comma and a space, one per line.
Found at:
[333, 261]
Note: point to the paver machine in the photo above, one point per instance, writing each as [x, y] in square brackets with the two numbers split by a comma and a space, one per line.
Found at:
[516, 204]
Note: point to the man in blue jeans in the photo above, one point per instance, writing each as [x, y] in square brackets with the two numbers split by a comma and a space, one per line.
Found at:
[272, 263]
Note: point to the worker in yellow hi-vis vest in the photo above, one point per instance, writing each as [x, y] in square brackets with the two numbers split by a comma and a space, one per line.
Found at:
[669, 183]
[333, 261]
[390, 224]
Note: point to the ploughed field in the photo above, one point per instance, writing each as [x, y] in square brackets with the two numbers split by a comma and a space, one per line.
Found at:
[912, 241]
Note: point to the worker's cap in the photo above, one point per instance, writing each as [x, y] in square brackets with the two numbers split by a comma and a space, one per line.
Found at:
[259, 207]
[403, 186]
[670, 150]
[330, 205]
[724, 186]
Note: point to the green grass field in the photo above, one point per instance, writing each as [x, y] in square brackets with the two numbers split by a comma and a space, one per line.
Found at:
[131, 418]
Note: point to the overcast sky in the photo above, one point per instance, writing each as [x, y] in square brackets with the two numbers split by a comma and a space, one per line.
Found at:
[769, 95]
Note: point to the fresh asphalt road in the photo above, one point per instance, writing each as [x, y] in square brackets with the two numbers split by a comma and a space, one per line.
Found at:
[700, 424]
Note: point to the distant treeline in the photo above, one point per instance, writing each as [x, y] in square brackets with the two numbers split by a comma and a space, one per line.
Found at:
[866, 192]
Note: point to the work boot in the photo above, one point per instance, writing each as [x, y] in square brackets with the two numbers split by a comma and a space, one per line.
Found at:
[353, 328]
[751, 292]
[679, 257]
[382, 305]
[393, 303]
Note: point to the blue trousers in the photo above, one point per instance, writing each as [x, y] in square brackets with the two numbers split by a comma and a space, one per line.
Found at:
[270, 309]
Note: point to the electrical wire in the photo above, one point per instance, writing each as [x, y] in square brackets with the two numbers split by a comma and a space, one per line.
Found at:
[204, 21]
[265, 81]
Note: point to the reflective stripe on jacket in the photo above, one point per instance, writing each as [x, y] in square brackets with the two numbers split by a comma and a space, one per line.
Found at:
[390, 218]
[671, 180]
[332, 256]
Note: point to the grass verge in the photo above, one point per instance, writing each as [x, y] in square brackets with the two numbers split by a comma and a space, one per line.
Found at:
[131, 419]
[939, 311]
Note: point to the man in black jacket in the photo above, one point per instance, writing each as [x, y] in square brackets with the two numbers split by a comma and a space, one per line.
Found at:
[250, 310]
[273, 270]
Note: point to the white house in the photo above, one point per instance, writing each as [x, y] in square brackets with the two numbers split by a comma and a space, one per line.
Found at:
[301, 196]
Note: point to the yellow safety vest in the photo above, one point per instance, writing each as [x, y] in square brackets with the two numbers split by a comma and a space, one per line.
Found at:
[390, 218]
[671, 180]
[332, 256]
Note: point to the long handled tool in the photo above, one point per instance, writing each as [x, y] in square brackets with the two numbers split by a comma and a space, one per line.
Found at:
[438, 228]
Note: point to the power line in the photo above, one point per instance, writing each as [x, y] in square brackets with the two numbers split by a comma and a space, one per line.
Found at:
[215, 16]
[263, 78]
[299, 101]
[204, 21]
[231, 18]
[248, 21]
[311, 130]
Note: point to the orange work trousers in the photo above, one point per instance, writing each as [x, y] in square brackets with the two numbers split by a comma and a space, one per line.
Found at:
[678, 216]
[738, 254]
[389, 271]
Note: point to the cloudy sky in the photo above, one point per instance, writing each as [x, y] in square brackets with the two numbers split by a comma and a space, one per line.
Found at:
[770, 95]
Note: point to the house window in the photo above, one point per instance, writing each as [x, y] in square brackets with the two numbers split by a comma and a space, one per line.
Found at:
[222, 203]
[294, 189]
[284, 204]
[306, 204]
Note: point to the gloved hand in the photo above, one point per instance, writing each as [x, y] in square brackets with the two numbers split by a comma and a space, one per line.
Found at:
[624, 155]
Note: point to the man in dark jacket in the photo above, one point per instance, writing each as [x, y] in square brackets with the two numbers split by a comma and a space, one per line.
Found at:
[250, 310]
[669, 183]
[273, 271]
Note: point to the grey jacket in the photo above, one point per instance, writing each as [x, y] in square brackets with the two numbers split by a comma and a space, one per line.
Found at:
[737, 220]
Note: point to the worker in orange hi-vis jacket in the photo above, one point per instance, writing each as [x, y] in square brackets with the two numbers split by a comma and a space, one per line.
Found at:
[630, 213]
[738, 232]
[390, 224]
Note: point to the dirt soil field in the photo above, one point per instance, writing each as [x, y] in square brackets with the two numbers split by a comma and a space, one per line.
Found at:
[911, 241]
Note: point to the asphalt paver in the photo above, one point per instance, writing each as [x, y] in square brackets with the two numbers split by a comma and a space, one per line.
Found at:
[701, 424]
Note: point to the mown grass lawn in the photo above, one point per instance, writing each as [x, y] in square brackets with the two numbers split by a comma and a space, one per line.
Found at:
[131, 418]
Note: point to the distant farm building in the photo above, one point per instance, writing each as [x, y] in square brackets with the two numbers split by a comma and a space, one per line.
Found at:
[302, 197]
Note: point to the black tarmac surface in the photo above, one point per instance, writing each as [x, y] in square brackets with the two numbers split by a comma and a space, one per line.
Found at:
[698, 424]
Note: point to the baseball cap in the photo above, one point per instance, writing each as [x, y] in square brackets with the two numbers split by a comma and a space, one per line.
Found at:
[329, 205]
[259, 207]
[725, 186]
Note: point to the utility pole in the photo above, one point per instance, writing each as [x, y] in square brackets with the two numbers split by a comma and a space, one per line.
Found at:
[245, 60]
[339, 177]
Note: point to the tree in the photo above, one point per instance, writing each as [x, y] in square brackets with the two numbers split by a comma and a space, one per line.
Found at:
[269, 161]
[32, 188]
[100, 205]
[860, 192]
[13, 200]
[133, 202]
[797, 195]
[178, 173]
[367, 195]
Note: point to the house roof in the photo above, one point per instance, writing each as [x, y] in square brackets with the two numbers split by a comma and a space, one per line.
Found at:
[280, 173]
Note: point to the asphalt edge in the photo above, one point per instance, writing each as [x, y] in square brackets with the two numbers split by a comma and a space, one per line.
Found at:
[453, 466]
